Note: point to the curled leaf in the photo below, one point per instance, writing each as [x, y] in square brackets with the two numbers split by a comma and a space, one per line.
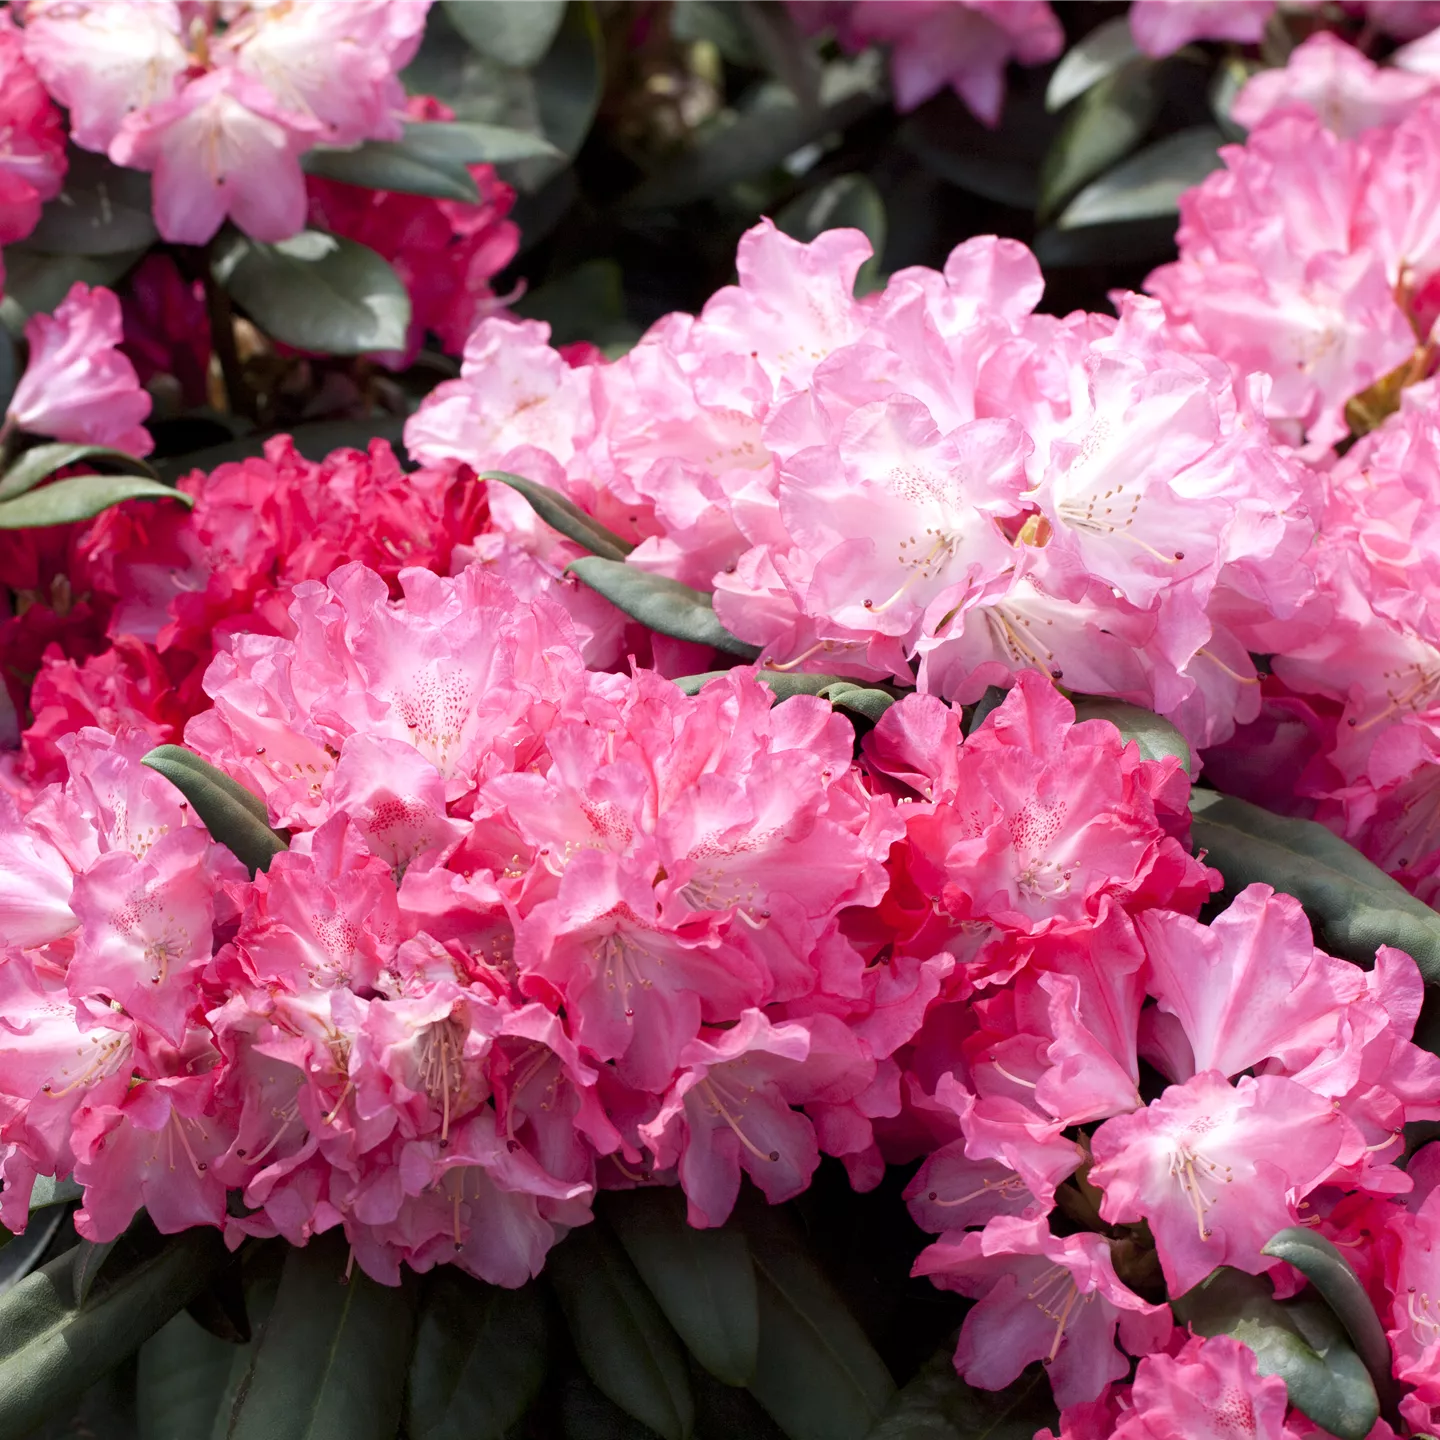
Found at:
[81, 497]
[563, 514]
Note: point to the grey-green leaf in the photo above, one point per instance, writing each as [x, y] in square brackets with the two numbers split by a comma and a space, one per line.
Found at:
[331, 1360]
[51, 1350]
[317, 292]
[1150, 183]
[1330, 1385]
[53, 1190]
[36, 283]
[1354, 906]
[1100, 53]
[102, 209]
[570, 78]
[817, 1374]
[846, 202]
[664, 605]
[1156, 738]
[89, 1257]
[480, 1358]
[23, 1253]
[938, 1405]
[867, 700]
[702, 1279]
[81, 497]
[514, 32]
[184, 1373]
[863, 700]
[234, 817]
[623, 1340]
[562, 514]
[40, 462]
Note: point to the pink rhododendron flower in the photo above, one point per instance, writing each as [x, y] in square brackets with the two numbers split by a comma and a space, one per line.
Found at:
[1161, 27]
[32, 150]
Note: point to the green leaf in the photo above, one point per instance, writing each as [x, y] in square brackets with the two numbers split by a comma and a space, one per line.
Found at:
[1233, 74]
[430, 160]
[35, 284]
[480, 1358]
[52, 1191]
[90, 1256]
[80, 497]
[846, 202]
[623, 1341]
[1354, 906]
[101, 210]
[317, 292]
[184, 1374]
[1330, 1385]
[864, 700]
[9, 371]
[330, 1363]
[1156, 738]
[1102, 52]
[817, 1374]
[1106, 123]
[51, 1350]
[783, 49]
[514, 32]
[1317, 1259]
[24, 1252]
[938, 1405]
[40, 462]
[586, 303]
[221, 1308]
[587, 1414]
[1150, 183]
[314, 441]
[564, 515]
[702, 1279]
[664, 605]
[234, 817]
[570, 78]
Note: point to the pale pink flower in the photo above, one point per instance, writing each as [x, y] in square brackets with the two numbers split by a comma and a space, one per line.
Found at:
[35, 883]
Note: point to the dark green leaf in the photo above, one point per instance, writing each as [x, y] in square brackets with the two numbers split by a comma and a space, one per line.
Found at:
[1107, 122]
[1100, 53]
[24, 1252]
[1354, 906]
[990, 701]
[35, 284]
[52, 1191]
[1231, 77]
[80, 497]
[1127, 242]
[587, 1414]
[565, 516]
[1338, 1285]
[330, 1363]
[184, 1374]
[623, 1341]
[1156, 738]
[586, 303]
[817, 1374]
[938, 1405]
[664, 605]
[234, 817]
[783, 48]
[9, 373]
[317, 292]
[702, 1279]
[89, 1257]
[480, 1358]
[847, 201]
[844, 693]
[40, 462]
[102, 210]
[570, 78]
[514, 32]
[430, 160]
[221, 1308]
[51, 1350]
[1150, 183]
[1330, 1385]
[314, 441]
[721, 23]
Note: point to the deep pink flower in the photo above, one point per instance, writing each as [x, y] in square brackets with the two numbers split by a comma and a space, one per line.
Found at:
[1161, 27]
[32, 140]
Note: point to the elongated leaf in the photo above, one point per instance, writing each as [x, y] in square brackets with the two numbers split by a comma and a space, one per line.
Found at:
[318, 292]
[1354, 906]
[1155, 738]
[51, 1350]
[430, 160]
[586, 303]
[1150, 183]
[183, 1376]
[938, 1405]
[1332, 1388]
[588, 1414]
[89, 1257]
[1100, 53]
[22, 1254]
[42, 461]
[221, 1308]
[9, 370]
[817, 1374]
[52, 1191]
[331, 1360]
[664, 605]
[102, 209]
[514, 32]
[1339, 1286]
[864, 699]
[564, 515]
[569, 80]
[702, 1279]
[234, 817]
[80, 497]
[480, 1358]
[624, 1342]
[35, 283]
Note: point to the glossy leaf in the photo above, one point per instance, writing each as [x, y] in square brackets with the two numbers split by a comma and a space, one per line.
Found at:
[234, 817]
[51, 1350]
[102, 209]
[81, 497]
[514, 32]
[52, 1191]
[623, 1340]
[317, 292]
[89, 1258]
[480, 1358]
[184, 1374]
[569, 78]
[1354, 906]
[9, 369]
[1148, 184]
[938, 1405]
[330, 1363]
[664, 605]
[562, 514]
[221, 1308]
[1100, 53]
[25, 1251]
[36, 283]
[40, 462]
[1155, 738]
[817, 1374]
[1330, 1385]
[702, 1279]
[585, 1413]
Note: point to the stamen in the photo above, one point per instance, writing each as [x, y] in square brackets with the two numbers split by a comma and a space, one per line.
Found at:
[734, 1124]
[1014, 1079]
[1009, 1185]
